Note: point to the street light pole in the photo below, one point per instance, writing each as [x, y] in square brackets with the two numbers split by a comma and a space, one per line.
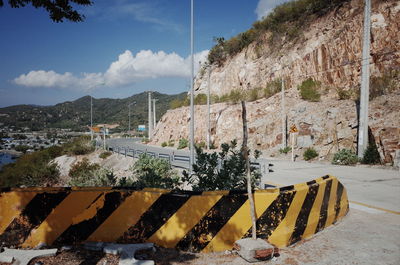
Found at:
[91, 118]
[191, 89]
[150, 118]
[154, 114]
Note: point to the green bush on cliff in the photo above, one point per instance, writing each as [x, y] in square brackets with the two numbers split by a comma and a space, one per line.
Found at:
[309, 90]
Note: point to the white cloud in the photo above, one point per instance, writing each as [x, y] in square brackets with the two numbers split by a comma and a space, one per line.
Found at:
[126, 70]
[264, 7]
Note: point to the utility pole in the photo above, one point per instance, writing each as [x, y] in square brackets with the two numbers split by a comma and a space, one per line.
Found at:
[154, 113]
[150, 131]
[191, 89]
[284, 140]
[208, 109]
[364, 93]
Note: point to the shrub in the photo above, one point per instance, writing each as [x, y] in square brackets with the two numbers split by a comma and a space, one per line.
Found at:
[285, 150]
[221, 171]
[202, 145]
[183, 143]
[104, 155]
[343, 94]
[309, 154]
[82, 172]
[153, 173]
[22, 148]
[345, 157]
[171, 143]
[85, 174]
[371, 155]
[164, 144]
[309, 90]
[385, 84]
[272, 88]
[79, 146]
[32, 169]
[200, 99]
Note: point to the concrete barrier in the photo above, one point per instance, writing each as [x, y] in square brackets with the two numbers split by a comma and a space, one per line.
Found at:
[189, 221]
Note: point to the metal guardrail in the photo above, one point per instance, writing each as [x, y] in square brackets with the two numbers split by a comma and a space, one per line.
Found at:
[177, 158]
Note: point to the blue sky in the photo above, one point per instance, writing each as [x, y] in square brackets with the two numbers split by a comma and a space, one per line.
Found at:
[123, 47]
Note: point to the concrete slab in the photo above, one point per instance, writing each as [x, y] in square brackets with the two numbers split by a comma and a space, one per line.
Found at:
[254, 250]
[22, 257]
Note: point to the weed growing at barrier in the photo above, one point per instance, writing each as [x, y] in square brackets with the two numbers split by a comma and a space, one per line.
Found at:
[345, 157]
[89, 174]
[221, 171]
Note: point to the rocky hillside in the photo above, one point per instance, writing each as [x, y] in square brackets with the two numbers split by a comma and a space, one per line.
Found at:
[329, 51]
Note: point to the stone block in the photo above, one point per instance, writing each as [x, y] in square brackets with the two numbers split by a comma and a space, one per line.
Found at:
[255, 250]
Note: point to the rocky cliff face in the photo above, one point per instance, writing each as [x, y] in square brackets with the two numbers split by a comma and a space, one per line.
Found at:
[330, 53]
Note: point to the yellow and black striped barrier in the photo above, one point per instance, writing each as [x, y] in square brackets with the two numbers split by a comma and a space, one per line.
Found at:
[189, 221]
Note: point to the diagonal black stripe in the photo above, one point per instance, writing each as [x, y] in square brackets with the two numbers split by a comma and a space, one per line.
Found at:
[302, 218]
[273, 215]
[339, 195]
[155, 217]
[213, 221]
[324, 207]
[32, 216]
[81, 231]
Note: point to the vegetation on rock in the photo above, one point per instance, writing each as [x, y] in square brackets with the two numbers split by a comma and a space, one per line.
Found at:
[285, 23]
[310, 153]
[309, 90]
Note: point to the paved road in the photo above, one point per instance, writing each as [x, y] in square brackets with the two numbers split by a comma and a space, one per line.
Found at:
[379, 188]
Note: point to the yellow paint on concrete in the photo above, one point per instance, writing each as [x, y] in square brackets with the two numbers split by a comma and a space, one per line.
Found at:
[61, 218]
[344, 205]
[126, 215]
[281, 235]
[332, 202]
[11, 205]
[240, 223]
[184, 220]
[315, 213]
[216, 192]
[375, 207]
[91, 211]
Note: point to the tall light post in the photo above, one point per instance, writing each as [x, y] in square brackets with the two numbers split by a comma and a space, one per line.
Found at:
[284, 140]
[91, 118]
[129, 114]
[154, 114]
[191, 89]
[150, 131]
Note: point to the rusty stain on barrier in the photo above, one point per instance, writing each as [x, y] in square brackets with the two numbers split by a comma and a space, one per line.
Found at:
[189, 221]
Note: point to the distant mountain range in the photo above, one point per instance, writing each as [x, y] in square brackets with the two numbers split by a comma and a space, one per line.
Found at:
[75, 115]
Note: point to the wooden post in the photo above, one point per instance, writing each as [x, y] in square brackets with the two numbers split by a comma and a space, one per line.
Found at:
[248, 173]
